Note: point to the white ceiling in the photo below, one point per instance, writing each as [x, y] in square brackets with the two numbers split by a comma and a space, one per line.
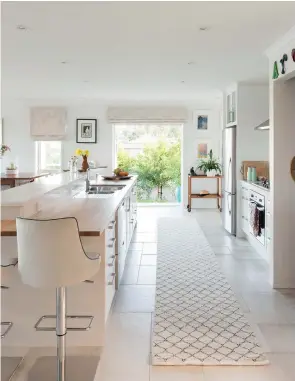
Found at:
[136, 50]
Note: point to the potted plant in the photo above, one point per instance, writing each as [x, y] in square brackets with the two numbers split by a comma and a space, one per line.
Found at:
[84, 154]
[4, 148]
[11, 169]
[210, 166]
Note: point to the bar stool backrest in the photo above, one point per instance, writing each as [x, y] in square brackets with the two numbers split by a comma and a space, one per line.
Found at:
[50, 252]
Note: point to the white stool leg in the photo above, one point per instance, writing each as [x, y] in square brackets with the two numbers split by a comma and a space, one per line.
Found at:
[61, 331]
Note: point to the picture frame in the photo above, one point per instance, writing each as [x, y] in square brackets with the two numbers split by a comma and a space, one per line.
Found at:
[202, 122]
[203, 148]
[86, 131]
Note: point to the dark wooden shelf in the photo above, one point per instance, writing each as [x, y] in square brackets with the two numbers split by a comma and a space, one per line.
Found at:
[207, 196]
[205, 177]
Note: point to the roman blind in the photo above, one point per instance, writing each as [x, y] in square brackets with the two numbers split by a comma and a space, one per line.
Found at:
[48, 123]
[147, 115]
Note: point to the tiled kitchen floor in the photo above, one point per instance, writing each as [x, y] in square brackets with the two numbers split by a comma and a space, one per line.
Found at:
[272, 313]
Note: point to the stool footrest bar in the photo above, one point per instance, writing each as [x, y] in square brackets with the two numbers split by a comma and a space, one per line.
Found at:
[76, 317]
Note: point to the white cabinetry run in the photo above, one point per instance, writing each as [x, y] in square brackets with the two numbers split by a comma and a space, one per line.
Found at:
[261, 244]
[126, 222]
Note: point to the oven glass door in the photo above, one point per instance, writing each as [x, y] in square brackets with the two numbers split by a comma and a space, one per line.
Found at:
[261, 237]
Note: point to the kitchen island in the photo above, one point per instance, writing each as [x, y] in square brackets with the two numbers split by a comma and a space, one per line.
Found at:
[106, 224]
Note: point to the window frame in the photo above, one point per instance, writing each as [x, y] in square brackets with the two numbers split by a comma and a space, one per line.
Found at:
[38, 145]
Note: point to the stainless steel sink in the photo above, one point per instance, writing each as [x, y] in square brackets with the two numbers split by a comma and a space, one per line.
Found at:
[105, 189]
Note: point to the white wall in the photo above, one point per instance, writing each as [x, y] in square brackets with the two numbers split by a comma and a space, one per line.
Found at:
[16, 117]
[282, 149]
[252, 145]
[17, 133]
[191, 137]
[283, 186]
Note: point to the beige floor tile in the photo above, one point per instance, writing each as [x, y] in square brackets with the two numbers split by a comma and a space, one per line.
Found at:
[149, 248]
[133, 257]
[269, 308]
[246, 373]
[126, 353]
[135, 299]
[136, 246]
[147, 275]
[286, 362]
[130, 275]
[279, 337]
[148, 260]
[176, 373]
[221, 250]
[144, 237]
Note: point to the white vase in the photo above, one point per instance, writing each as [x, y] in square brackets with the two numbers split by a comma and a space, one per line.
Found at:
[211, 173]
[11, 171]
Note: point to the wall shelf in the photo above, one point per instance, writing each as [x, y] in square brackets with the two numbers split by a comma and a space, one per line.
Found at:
[211, 195]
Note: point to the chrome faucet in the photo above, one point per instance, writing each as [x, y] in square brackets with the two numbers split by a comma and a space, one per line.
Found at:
[87, 180]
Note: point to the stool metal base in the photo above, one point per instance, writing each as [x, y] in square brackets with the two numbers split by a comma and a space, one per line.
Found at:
[76, 317]
[78, 368]
[7, 324]
[9, 365]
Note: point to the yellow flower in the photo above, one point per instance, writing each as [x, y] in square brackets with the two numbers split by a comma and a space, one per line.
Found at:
[79, 152]
[86, 152]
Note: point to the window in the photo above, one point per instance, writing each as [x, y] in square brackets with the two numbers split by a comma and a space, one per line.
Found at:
[49, 155]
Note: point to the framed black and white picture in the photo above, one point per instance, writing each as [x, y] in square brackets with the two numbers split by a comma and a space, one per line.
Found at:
[86, 131]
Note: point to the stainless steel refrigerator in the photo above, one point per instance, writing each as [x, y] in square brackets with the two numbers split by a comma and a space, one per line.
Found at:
[229, 181]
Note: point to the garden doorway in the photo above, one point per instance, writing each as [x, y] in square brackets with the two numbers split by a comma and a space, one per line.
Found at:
[154, 153]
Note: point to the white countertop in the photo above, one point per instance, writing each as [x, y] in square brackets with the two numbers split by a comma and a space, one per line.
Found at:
[256, 185]
[20, 195]
[92, 213]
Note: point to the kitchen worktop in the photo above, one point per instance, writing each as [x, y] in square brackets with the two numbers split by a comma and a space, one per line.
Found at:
[18, 196]
[258, 185]
[93, 214]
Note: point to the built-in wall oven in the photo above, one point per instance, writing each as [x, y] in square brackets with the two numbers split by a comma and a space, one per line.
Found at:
[257, 216]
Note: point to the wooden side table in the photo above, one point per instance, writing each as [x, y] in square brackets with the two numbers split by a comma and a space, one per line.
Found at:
[216, 195]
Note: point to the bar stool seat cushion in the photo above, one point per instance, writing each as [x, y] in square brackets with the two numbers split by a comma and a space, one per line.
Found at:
[51, 253]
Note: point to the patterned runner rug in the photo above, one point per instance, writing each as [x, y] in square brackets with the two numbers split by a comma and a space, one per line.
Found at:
[198, 320]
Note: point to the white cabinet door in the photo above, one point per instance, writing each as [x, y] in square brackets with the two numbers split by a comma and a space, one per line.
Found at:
[268, 225]
[122, 242]
[134, 204]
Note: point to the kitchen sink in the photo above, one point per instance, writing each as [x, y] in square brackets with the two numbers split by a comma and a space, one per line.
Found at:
[104, 189]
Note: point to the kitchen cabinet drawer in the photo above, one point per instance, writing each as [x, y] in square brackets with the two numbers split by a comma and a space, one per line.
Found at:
[110, 257]
[109, 292]
[111, 230]
[245, 224]
[245, 196]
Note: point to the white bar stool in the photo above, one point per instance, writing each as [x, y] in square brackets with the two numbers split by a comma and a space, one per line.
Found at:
[9, 364]
[50, 254]
[6, 324]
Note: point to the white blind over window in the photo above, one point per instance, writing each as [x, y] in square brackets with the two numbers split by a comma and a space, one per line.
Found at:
[147, 114]
[48, 123]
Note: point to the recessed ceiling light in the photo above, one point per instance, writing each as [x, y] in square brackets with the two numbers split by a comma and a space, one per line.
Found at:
[203, 28]
[21, 27]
